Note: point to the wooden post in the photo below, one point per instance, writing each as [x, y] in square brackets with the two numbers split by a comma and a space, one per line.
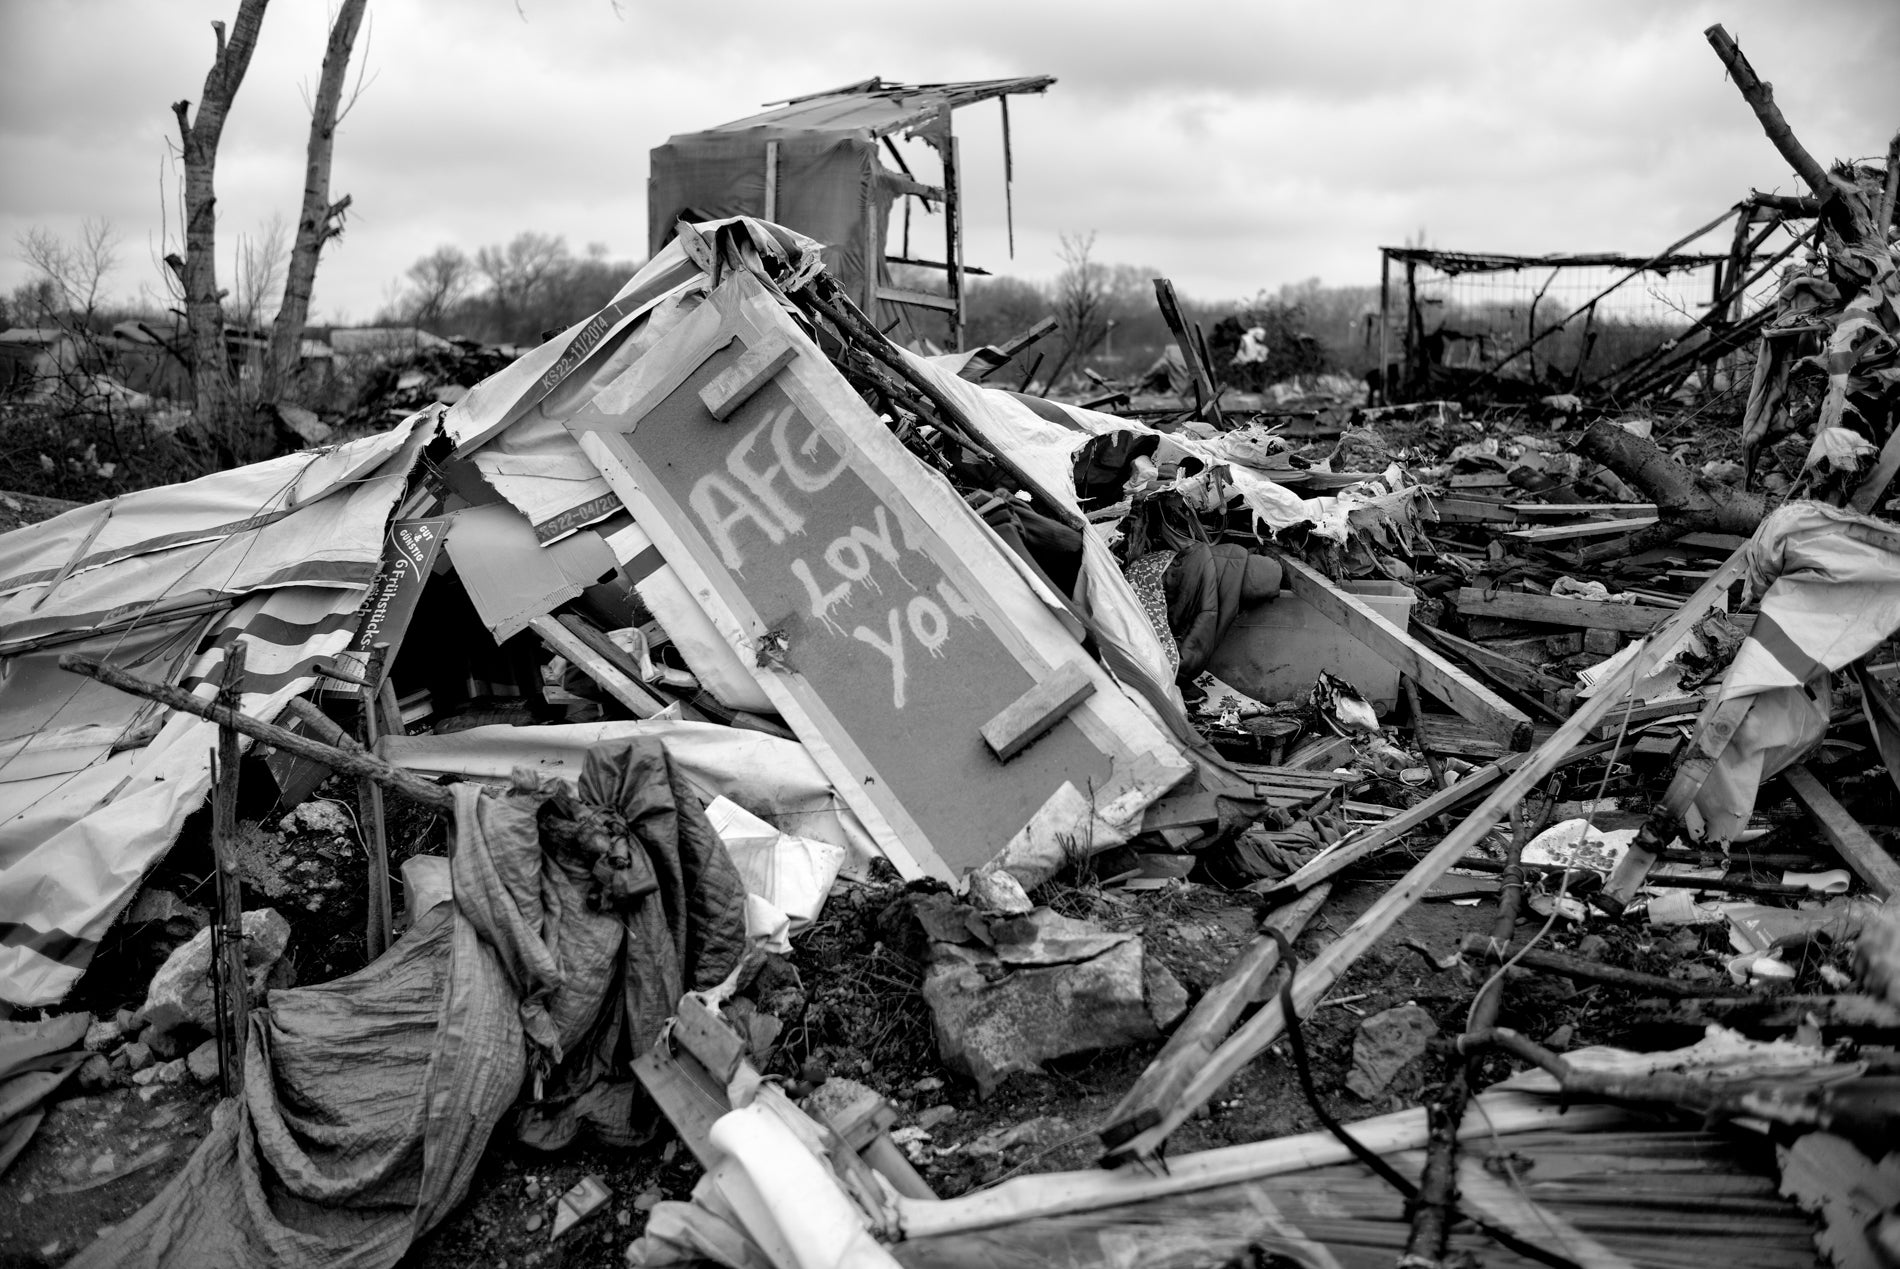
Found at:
[369, 795]
[227, 931]
[953, 233]
[771, 181]
[1385, 322]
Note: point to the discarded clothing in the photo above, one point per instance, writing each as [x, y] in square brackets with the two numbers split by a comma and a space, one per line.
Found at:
[1207, 586]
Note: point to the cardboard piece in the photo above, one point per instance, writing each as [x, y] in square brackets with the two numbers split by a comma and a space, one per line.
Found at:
[510, 576]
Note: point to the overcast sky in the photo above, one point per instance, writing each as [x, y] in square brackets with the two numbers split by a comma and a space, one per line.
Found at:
[1232, 146]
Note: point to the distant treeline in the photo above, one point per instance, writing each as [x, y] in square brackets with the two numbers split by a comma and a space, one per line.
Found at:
[514, 293]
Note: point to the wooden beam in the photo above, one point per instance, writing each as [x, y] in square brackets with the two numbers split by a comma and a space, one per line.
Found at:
[1534, 510]
[734, 386]
[1343, 855]
[379, 914]
[1867, 857]
[642, 703]
[233, 1021]
[1027, 717]
[1435, 675]
[343, 761]
[1560, 610]
[1201, 373]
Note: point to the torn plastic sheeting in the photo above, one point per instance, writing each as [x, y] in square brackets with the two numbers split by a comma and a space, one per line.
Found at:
[786, 877]
[1829, 582]
[74, 848]
[311, 518]
[406, 1081]
[775, 779]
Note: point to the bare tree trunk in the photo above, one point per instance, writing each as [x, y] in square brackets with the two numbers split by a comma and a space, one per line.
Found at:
[198, 270]
[320, 220]
[1684, 504]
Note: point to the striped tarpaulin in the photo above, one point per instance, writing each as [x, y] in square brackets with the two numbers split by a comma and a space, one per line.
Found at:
[74, 845]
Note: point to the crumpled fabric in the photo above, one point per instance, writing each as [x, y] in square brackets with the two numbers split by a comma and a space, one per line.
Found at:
[368, 1101]
[1829, 581]
[651, 906]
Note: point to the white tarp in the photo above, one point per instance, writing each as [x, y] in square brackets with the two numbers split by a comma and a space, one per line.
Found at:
[1829, 582]
[314, 518]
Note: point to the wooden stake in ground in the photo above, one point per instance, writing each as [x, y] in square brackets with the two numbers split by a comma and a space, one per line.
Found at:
[379, 914]
[227, 931]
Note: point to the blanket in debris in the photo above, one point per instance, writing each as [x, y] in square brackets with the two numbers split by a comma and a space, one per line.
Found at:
[367, 1101]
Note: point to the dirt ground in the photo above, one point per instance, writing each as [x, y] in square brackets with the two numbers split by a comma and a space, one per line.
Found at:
[863, 1017]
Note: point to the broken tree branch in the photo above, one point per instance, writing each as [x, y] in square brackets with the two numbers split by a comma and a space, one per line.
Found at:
[1578, 967]
[1683, 503]
[345, 761]
[1760, 96]
[1437, 1209]
[1797, 1100]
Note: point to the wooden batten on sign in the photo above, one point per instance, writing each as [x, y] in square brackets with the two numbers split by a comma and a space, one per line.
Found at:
[883, 619]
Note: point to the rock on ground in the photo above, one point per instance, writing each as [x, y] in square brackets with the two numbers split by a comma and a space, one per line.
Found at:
[181, 991]
[992, 1022]
[1387, 1042]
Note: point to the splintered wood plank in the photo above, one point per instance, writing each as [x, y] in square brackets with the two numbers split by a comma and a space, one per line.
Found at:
[1433, 673]
[1554, 610]
[1867, 857]
[1027, 717]
[1594, 529]
[636, 698]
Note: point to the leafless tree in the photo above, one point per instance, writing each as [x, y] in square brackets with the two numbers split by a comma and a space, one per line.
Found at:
[75, 272]
[520, 271]
[436, 282]
[197, 269]
[257, 272]
[1083, 302]
[319, 220]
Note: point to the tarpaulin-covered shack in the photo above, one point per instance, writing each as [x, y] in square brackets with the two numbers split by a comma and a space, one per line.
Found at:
[812, 164]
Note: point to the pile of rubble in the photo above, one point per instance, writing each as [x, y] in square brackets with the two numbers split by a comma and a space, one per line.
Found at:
[723, 740]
